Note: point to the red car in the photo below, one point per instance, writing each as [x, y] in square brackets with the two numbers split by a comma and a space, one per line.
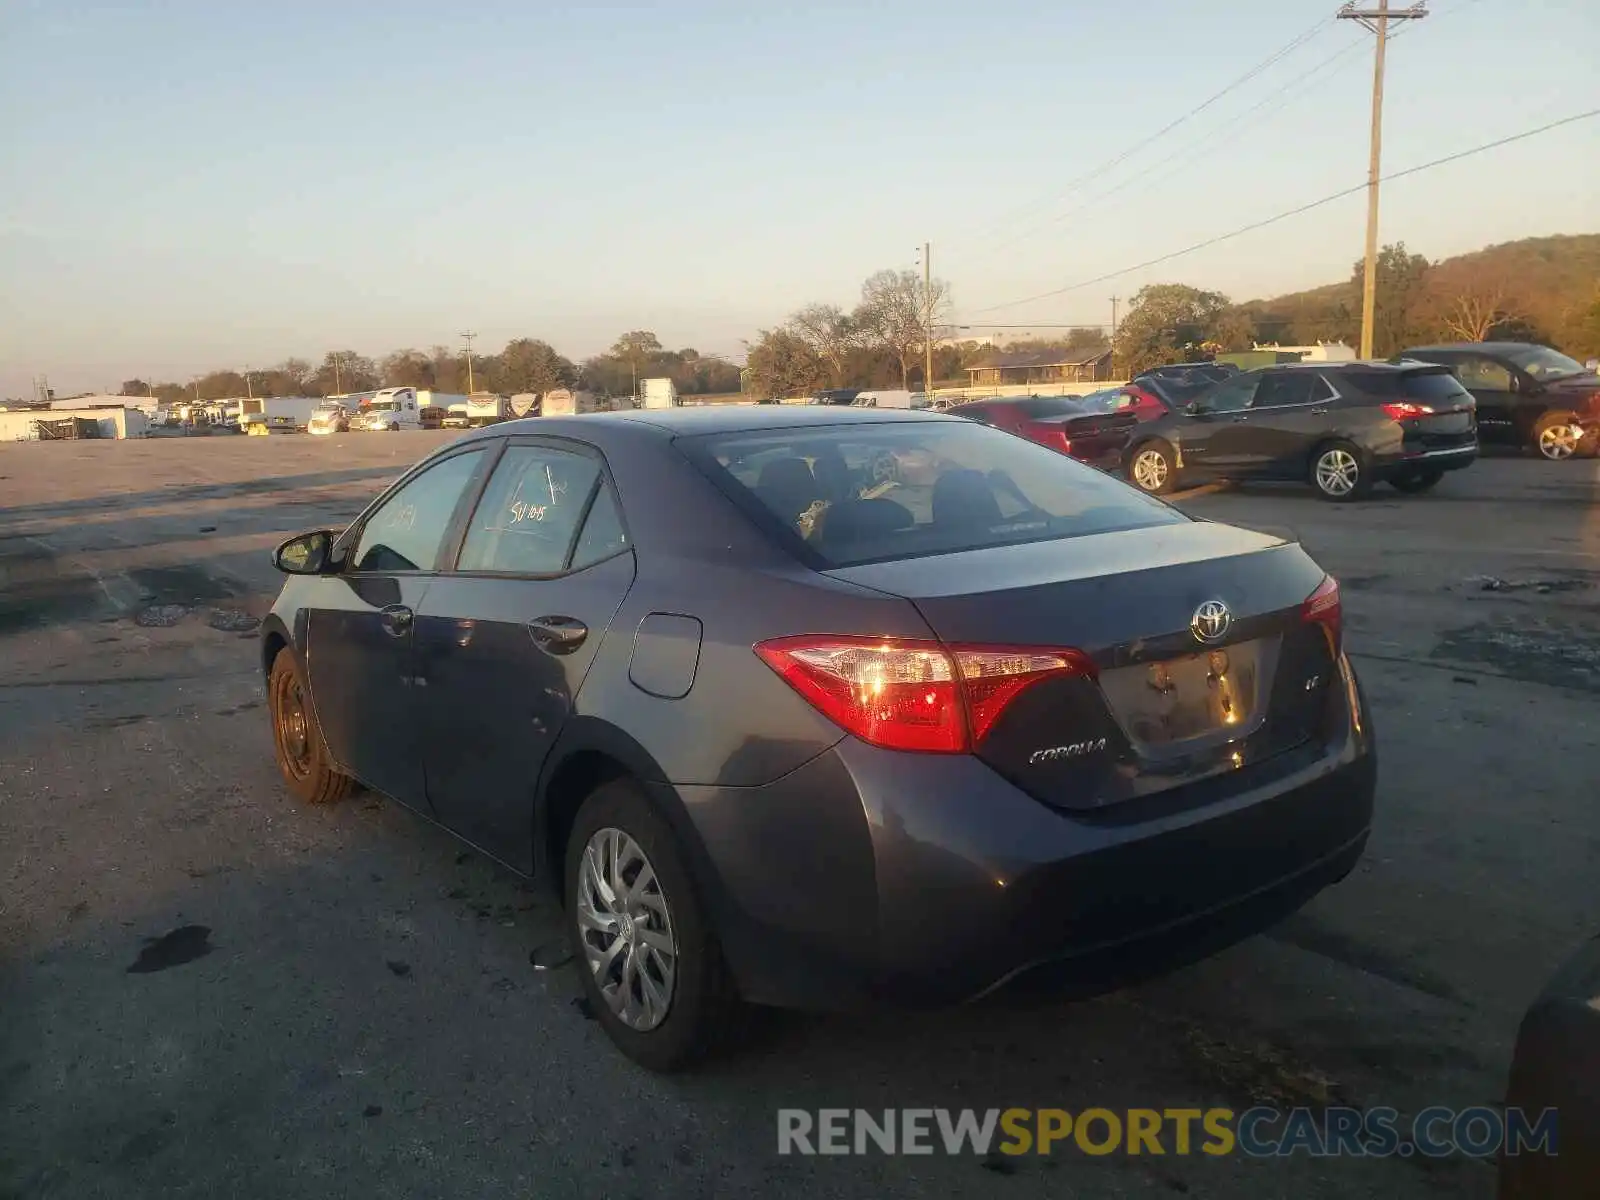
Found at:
[1093, 429]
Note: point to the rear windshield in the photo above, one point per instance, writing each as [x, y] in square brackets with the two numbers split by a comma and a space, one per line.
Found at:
[1430, 387]
[1433, 387]
[862, 493]
[1046, 406]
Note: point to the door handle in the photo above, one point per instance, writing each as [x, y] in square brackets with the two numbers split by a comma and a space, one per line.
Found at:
[558, 635]
[1317, 412]
[396, 620]
[1236, 420]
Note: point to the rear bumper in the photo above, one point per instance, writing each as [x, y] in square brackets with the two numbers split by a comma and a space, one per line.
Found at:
[946, 881]
[1449, 458]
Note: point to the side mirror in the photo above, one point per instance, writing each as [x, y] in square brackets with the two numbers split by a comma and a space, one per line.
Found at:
[305, 554]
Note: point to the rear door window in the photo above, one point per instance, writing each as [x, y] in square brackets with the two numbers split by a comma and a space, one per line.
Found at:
[531, 511]
[1483, 374]
[1280, 389]
[860, 493]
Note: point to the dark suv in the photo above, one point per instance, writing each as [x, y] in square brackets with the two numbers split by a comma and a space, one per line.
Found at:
[1341, 427]
[1527, 394]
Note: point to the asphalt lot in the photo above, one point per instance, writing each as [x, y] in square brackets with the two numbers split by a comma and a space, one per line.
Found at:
[365, 1019]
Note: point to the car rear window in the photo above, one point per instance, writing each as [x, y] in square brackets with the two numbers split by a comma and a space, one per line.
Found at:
[858, 493]
[1046, 406]
[1434, 386]
[1428, 386]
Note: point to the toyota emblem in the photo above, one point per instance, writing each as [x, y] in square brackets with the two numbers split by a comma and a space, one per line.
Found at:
[1211, 621]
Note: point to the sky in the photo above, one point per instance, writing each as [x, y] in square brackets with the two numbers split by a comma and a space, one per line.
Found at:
[189, 186]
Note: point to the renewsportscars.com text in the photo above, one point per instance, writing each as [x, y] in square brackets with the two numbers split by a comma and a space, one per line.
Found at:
[1438, 1132]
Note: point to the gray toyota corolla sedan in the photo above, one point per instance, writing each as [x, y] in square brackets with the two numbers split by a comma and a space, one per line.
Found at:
[821, 707]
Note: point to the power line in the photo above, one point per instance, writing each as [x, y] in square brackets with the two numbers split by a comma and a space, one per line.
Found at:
[1222, 134]
[1294, 212]
[1279, 54]
[1196, 150]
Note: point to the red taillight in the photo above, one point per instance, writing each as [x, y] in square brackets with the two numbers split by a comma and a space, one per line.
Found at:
[1405, 410]
[913, 695]
[1322, 607]
[1050, 435]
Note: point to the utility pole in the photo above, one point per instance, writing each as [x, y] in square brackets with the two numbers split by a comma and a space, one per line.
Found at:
[467, 338]
[336, 356]
[927, 299]
[1376, 20]
[1114, 301]
[249, 394]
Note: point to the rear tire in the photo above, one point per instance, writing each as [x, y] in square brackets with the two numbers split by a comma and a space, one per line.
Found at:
[1340, 472]
[1152, 468]
[626, 942]
[1553, 438]
[302, 754]
[1419, 480]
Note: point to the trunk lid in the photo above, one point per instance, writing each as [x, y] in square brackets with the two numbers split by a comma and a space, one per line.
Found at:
[1167, 709]
[1093, 436]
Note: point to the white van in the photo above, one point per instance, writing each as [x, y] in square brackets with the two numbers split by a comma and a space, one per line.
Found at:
[896, 398]
[389, 409]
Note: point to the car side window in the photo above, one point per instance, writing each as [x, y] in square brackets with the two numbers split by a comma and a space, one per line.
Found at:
[1233, 396]
[406, 532]
[1284, 388]
[1485, 374]
[528, 517]
[602, 534]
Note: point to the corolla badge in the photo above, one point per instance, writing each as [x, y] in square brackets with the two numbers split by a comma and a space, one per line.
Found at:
[1075, 750]
[1211, 621]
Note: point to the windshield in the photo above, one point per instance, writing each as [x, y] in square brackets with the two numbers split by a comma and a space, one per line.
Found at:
[383, 406]
[329, 406]
[1544, 363]
[869, 492]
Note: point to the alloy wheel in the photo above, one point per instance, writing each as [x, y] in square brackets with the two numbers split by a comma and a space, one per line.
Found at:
[625, 926]
[1337, 472]
[1558, 442]
[1150, 470]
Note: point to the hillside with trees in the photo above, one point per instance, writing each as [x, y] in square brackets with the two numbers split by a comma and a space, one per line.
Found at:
[1538, 289]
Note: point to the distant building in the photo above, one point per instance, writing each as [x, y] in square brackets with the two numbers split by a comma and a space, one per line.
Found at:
[1012, 367]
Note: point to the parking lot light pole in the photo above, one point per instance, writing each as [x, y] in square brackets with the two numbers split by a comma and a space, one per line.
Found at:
[1377, 21]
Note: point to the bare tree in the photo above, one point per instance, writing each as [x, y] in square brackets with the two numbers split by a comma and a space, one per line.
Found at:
[1473, 312]
[898, 313]
[831, 334]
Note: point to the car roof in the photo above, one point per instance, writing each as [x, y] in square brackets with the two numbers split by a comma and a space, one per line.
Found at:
[1476, 347]
[1361, 364]
[710, 419]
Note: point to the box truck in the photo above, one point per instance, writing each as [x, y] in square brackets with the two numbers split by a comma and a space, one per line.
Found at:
[283, 414]
[564, 402]
[659, 393]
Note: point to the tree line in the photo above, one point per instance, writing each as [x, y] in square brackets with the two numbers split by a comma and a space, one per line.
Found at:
[1541, 290]
[524, 365]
